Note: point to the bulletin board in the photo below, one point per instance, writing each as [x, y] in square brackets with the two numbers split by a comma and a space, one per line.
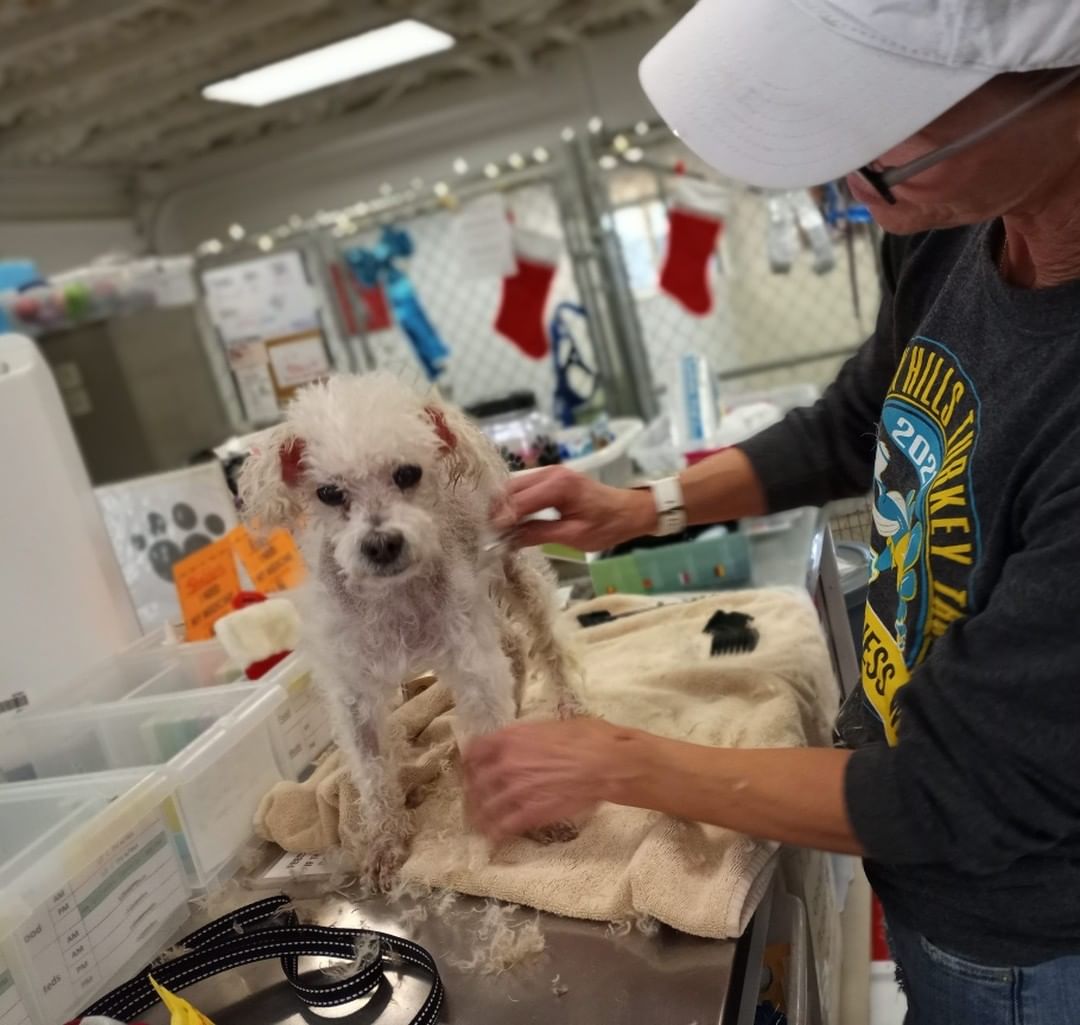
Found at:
[266, 314]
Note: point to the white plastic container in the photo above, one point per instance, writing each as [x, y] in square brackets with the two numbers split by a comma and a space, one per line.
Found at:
[215, 749]
[611, 465]
[91, 884]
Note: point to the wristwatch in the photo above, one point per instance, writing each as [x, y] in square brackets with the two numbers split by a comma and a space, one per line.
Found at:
[670, 506]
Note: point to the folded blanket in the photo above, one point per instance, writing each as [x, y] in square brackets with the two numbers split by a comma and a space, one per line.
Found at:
[653, 671]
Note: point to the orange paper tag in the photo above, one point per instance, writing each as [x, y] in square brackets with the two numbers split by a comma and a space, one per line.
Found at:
[274, 564]
[206, 582]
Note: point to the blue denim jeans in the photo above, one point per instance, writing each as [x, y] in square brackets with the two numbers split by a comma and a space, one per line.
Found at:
[944, 989]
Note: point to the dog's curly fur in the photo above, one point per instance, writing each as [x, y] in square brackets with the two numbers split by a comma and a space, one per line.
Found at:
[374, 618]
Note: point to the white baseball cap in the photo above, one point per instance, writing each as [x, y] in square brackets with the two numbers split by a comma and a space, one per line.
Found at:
[788, 93]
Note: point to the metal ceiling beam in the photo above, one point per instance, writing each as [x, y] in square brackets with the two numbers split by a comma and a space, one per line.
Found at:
[653, 8]
[127, 104]
[514, 51]
[248, 122]
[122, 145]
[251, 120]
[403, 84]
[63, 25]
[454, 118]
[61, 193]
[348, 152]
[144, 111]
[77, 81]
[143, 138]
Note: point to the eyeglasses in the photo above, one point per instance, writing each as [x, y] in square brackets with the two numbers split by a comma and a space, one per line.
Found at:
[882, 180]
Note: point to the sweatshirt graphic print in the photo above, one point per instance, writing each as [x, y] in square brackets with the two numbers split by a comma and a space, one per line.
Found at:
[926, 528]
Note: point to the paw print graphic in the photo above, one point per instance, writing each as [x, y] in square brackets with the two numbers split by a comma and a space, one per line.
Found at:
[163, 551]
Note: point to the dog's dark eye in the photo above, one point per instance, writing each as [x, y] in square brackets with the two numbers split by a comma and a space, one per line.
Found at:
[407, 476]
[329, 494]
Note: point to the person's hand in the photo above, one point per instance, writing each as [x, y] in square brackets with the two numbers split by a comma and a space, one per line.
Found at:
[592, 516]
[531, 775]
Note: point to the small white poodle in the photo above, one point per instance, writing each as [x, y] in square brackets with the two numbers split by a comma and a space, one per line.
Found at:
[390, 495]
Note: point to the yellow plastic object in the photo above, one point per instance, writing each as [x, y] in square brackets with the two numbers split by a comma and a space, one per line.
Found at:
[180, 1011]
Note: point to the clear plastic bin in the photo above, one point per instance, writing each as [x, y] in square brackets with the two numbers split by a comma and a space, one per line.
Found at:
[108, 785]
[13, 1007]
[142, 668]
[302, 723]
[612, 465]
[300, 728]
[92, 881]
[788, 927]
[215, 749]
[152, 667]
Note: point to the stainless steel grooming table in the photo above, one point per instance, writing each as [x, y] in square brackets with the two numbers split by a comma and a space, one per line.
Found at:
[666, 979]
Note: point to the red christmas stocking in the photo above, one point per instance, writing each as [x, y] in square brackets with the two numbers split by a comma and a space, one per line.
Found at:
[692, 239]
[521, 312]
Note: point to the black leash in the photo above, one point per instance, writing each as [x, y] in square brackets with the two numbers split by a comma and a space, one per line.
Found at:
[264, 930]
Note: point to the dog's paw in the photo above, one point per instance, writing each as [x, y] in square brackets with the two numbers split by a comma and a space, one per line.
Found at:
[384, 852]
[557, 832]
[382, 862]
[415, 797]
[570, 708]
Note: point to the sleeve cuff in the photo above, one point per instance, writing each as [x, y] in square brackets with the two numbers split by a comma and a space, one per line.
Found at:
[876, 809]
[770, 455]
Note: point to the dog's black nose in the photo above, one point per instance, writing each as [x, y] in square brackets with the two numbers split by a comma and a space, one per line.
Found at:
[382, 547]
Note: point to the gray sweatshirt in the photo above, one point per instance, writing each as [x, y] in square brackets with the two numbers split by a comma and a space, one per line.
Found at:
[962, 415]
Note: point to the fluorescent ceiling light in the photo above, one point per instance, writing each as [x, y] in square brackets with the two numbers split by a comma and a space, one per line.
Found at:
[364, 54]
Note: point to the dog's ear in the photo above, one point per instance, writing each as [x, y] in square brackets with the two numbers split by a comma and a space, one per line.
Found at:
[443, 431]
[467, 453]
[270, 479]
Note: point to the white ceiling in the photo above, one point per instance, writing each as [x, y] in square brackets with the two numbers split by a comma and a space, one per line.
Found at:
[115, 84]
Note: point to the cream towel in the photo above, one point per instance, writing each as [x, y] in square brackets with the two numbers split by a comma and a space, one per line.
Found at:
[652, 671]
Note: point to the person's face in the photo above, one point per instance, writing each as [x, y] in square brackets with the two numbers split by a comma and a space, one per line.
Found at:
[1012, 170]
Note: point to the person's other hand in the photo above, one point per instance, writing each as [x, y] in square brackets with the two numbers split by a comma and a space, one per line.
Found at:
[592, 516]
[530, 775]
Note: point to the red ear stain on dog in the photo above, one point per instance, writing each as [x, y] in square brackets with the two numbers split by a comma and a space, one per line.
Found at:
[291, 455]
[442, 428]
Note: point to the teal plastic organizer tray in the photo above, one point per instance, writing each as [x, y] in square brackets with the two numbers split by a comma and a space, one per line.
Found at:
[708, 563]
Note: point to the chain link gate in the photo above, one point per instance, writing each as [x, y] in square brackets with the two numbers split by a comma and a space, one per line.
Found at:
[463, 307]
[765, 329]
[603, 196]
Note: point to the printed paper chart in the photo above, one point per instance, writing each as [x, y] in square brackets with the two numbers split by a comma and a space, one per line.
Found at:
[12, 1010]
[303, 724]
[89, 929]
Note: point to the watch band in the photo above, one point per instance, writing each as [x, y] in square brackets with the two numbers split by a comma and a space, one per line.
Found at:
[670, 506]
